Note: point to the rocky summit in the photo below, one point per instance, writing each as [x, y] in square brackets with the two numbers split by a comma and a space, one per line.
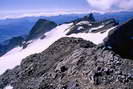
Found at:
[71, 63]
[42, 26]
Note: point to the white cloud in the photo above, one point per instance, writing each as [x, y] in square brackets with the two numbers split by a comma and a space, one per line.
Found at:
[109, 4]
[126, 4]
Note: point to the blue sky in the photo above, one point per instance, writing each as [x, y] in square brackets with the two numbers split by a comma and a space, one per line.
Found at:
[30, 5]
[21, 7]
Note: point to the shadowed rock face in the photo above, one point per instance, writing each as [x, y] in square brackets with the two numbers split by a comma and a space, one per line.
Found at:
[71, 63]
[121, 39]
[10, 44]
[40, 28]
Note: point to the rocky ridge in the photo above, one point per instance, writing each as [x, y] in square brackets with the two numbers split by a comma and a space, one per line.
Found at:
[88, 24]
[71, 63]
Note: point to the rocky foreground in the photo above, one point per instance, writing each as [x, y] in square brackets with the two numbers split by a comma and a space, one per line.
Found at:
[71, 63]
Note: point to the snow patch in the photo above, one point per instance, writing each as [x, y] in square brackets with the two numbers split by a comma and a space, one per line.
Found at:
[8, 87]
[80, 28]
[95, 28]
[109, 47]
[96, 38]
[83, 22]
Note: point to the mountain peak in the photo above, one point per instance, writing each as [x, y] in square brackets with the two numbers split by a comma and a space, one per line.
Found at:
[90, 17]
[41, 26]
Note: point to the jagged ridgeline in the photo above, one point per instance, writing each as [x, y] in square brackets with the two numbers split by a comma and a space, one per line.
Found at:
[88, 24]
[75, 63]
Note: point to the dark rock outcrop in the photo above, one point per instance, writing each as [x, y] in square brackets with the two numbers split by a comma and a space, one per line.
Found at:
[71, 63]
[121, 39]
[40, 28]
[88, 17]
[89, 24]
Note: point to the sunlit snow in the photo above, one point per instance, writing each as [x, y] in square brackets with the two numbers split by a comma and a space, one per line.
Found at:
[94, 37]
[15, 56]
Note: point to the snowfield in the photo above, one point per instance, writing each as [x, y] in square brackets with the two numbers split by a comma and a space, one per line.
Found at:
[15, 56]
[96, 38]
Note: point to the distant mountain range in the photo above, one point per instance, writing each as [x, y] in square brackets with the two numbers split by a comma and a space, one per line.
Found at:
[15, 27]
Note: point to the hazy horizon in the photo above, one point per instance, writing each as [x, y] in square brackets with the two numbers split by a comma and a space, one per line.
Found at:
[21, 8]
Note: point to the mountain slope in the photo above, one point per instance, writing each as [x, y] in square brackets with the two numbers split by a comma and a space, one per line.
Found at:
[42, 26]
[71, 63]
[60, 61]
[38, 45]
[14, 57]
